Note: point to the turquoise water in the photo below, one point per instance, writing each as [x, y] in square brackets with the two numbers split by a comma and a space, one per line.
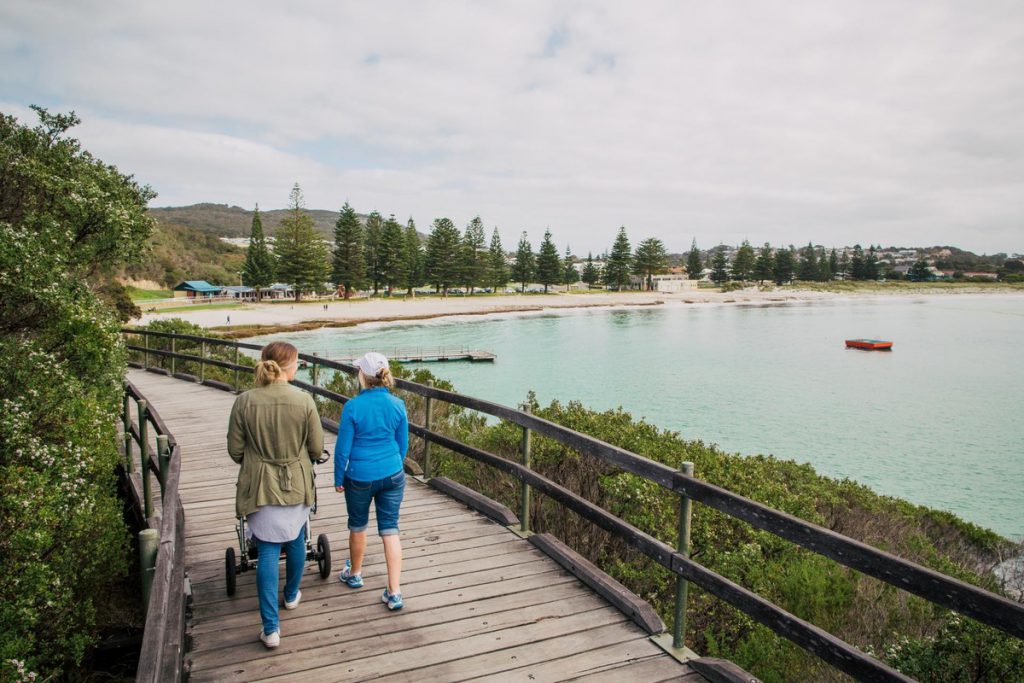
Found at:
[937, 421]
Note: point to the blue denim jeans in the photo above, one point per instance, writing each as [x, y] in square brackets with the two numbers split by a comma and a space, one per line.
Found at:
[386, 494]
[267, 573]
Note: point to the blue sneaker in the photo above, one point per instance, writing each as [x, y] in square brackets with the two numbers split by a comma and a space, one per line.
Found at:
[348, 578]
[392, 600]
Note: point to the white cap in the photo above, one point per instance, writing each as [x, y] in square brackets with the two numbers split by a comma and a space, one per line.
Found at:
[372, 363]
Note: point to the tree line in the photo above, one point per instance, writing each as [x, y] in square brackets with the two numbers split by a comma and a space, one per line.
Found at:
[382, 255]
[784, 264]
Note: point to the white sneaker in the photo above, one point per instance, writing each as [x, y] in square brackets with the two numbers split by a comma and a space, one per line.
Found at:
[271, 641]
[294, 603]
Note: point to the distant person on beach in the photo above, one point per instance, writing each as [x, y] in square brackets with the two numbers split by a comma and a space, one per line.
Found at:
[274, 433]
[373, 438]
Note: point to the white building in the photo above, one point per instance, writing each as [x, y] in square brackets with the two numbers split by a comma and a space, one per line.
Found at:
[673, 284]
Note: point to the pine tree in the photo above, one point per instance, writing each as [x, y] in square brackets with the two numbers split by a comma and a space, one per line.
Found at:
[473, 261]
[392, 267]
[720, 266]
[651, 258]
[693, 264]
[524, 266]
[570, 276]
[412, 259]
[349, 265]
[591, 274]
[764, 267]
[258, 270]
[497, 270]
[442, 266]
[871, 271]
[833, 264]
[743, 262]
[620, 262]
[919, 272]
[302, 257]
[371, 250]
[824, 266]
[785, 265]
[857, 263]
[808, 263]
[549, 266]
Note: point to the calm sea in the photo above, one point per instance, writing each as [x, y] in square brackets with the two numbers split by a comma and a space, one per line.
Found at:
[938, 420]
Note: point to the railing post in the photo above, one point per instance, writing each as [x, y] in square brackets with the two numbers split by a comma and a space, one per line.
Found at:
[147, 493]
[428, 423]
[236, 367]
[524, 510]
[313, 371]
[145, 361]
[129, 461]
[679, 620]
[202, 366]
[174, 349]
[149, 543]
[163, 454]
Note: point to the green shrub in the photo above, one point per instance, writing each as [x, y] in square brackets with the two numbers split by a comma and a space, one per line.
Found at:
[65, 220]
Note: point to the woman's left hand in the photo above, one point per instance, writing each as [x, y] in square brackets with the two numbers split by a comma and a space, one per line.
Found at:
[339, 489]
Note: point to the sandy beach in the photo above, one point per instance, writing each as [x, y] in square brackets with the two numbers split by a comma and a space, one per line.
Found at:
[281, 316]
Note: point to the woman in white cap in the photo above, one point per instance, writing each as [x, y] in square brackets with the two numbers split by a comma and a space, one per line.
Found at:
[373, 437]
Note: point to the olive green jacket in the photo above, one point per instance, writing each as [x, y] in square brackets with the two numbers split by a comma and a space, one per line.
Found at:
[274, 432]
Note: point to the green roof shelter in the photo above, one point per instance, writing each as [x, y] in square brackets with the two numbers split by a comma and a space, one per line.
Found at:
[193, 288]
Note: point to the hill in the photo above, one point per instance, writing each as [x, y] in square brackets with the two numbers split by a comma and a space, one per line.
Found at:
[176, 252]
[222, 220]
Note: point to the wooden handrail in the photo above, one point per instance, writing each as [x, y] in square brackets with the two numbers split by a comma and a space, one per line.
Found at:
[161, 656]
[949, 592]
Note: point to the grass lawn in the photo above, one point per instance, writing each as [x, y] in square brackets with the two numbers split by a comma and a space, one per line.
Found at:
[148, 294]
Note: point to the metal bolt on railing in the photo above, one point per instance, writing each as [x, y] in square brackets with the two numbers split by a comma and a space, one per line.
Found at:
[524, 510]
[683, 546]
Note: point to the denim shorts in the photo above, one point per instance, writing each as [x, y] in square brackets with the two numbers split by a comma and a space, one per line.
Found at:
[386, 495]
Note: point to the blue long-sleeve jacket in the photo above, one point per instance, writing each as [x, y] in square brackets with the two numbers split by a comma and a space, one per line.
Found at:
[373, 437]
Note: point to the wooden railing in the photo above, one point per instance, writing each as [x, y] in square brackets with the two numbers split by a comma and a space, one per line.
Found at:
[162, 539]
[986, 607]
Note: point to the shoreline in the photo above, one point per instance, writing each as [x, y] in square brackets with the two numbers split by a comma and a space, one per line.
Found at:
[251, 319]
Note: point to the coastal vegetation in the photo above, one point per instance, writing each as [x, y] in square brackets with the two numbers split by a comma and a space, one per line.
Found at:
[68, 222]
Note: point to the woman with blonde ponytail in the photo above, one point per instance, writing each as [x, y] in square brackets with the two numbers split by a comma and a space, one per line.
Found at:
[274, 433]
[373, 438]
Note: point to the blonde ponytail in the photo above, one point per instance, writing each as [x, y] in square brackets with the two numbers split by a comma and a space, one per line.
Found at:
[275, 357]
[268, 372]
[384, 378]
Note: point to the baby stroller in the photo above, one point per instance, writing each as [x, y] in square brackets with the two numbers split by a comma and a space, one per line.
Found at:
[321, 554]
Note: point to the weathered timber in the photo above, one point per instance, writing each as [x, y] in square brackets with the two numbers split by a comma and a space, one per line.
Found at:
[187, 377]
[614, 592]
[721, 671]
[217, 384]
[477, 501]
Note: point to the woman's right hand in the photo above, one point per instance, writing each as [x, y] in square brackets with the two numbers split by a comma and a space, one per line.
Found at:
[339, 489]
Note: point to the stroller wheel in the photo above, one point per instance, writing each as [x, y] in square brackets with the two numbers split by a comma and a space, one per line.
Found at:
[230, 570]
[323, 555]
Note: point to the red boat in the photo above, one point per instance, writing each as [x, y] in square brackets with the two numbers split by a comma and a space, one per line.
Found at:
[869, 344]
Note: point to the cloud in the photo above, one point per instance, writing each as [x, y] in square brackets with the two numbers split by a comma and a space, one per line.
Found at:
[833, 122]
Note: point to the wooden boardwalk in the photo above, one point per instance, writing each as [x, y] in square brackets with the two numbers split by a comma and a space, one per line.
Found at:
[481, 603]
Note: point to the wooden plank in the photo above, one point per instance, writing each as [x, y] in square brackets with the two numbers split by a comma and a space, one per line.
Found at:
[627, 602]
[721, 671]
[479, 502]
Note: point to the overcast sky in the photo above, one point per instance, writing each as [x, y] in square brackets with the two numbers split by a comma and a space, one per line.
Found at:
[900, 123]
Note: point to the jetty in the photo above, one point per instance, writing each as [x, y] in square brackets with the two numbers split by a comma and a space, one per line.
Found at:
[416, 355]
[487, 598]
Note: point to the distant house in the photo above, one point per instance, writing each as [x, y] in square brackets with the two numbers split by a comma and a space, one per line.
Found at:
[239, 292]
[278, 290]
[981, 276]
[197, 288]
[673, 283]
